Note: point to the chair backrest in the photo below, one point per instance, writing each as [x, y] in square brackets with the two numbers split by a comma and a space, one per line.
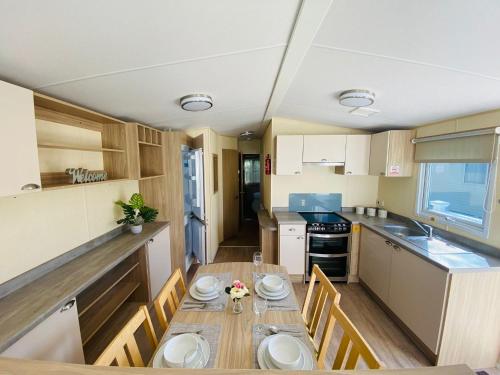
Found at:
[352, 342]
[123, 348]
[325, 294]
[170, 295]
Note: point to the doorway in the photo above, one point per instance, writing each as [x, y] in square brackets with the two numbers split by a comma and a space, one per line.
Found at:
[250, 186]
[230, 193]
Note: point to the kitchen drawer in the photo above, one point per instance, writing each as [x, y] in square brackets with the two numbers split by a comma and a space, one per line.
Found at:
[292, 230]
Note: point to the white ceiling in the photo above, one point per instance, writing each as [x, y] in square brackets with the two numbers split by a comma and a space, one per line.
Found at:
[426, 60]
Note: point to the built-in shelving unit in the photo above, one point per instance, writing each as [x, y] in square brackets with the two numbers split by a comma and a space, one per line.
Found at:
[110, 131]
[106, 304]
[77, 148]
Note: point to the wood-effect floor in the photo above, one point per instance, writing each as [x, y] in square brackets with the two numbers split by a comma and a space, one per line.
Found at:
[392, 346]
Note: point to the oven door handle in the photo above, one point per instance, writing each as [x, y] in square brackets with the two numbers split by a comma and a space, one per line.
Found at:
[343, 255]
[327, 235]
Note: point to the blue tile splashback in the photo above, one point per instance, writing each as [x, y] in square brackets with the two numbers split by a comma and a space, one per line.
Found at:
[314, 202]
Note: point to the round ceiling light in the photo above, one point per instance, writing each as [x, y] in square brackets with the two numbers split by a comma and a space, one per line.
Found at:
[196, 102]
[356, 98]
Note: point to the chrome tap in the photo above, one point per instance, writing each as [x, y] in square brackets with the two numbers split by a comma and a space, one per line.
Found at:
[428, 231]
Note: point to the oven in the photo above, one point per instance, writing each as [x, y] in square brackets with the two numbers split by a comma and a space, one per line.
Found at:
[330, 252]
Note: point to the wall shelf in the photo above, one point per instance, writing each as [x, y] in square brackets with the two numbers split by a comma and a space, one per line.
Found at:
[151, 177]
[141, 143]
[77, 148]
[51, 181]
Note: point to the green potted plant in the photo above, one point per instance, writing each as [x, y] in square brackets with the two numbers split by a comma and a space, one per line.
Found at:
[136, 213]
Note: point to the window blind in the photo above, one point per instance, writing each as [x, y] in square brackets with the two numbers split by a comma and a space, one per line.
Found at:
[473, 147]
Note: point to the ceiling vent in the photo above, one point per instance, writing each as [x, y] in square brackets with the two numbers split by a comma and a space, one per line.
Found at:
[196, 102]
[356, 98]
[364, 111]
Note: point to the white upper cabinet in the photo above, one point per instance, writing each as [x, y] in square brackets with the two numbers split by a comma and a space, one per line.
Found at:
[324, 149]
[18, 146]
[392, 153]
[289, 154]
[357, 154]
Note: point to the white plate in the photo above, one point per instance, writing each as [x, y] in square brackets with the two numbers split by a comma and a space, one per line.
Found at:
[206, 285]
[201, 297]
[159, 362]
[265, 363]
[261, 292]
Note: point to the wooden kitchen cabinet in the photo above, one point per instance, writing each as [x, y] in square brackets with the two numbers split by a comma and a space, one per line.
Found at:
[324, 149]
[289, 150]
[375, 254]
[18, 145]
[292, 248]
[57, 338]
[417, 295]
[357, 154]
[159, 262]
[392, 153]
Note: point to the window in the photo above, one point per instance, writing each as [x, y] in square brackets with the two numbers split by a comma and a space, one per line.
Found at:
[456, 193]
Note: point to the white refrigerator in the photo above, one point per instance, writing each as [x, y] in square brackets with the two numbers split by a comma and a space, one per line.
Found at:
[194, 205]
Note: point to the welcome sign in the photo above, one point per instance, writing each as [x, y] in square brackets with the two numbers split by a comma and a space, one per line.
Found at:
[82, 175]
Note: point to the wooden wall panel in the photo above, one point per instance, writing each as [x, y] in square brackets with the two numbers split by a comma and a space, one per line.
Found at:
[174, 209]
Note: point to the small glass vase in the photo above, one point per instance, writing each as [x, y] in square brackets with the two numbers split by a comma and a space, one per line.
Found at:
[237, 306]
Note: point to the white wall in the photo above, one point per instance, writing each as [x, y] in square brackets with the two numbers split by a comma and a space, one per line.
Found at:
[38, 227]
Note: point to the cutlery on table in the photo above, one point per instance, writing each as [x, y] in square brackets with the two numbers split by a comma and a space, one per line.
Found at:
[275, 329]
[183, 332]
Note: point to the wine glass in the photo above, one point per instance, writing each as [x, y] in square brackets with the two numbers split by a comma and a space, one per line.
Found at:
[257, 258]
[259, 308]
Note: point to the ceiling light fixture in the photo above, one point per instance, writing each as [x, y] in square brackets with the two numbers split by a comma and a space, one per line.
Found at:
[247, 133]
[196, 102]
[356, 98]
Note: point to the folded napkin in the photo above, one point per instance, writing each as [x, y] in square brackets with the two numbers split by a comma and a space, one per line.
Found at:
[217, 304]
[289, 303]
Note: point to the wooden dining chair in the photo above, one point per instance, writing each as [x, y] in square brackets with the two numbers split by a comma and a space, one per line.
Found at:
[352, 345]
[171, 294]
[123, 348]
[326, 295]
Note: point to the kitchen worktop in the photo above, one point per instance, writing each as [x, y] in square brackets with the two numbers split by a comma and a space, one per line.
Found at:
[288, 217]
[29, 305]
[471, 260]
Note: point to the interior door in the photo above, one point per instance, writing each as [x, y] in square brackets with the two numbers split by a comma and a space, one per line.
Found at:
[231, 196]
[199, 233]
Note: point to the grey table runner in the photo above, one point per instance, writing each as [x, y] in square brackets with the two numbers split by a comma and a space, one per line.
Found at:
[217, 304]
[257, 338]
[210, 332]
[288, 303]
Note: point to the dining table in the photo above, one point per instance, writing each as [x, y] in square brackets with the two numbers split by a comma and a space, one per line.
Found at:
[235, 348]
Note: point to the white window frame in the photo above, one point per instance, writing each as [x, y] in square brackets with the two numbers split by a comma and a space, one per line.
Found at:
[463, 223]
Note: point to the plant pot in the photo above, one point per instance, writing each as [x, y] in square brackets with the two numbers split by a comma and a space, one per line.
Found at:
[237, 307]
[136, 229]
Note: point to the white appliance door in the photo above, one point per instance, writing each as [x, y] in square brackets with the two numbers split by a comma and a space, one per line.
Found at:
[197, 185]
[187, 167]
[199, 240]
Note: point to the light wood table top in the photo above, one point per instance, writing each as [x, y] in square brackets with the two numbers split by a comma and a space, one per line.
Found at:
[235, 346]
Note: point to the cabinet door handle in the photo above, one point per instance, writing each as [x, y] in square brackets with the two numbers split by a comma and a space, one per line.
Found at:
[349, 172]
[30, 187]
[388, 243]
[68, 306]
[291, 229]
[151, 240]
[323, 159]
[300, 238]
[396, 247]
[297, 172]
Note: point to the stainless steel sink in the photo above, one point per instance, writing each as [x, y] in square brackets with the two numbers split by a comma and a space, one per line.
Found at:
[433, 245]
[403, 231]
